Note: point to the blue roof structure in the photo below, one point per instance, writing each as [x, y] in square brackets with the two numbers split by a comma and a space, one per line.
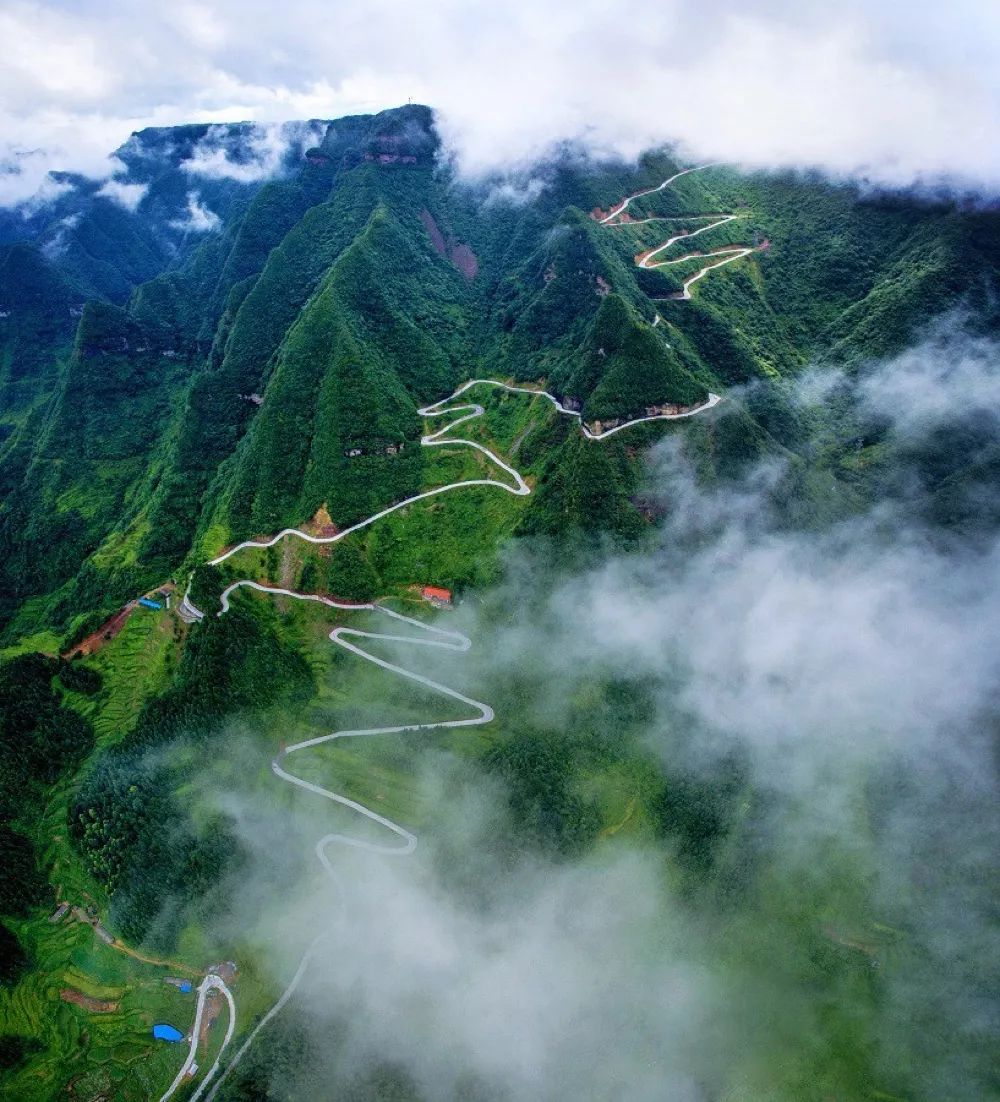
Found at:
[185, 987]
[163, 1032]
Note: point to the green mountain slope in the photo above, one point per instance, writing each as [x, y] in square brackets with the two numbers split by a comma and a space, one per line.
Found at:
[334, 303]
[167, 394]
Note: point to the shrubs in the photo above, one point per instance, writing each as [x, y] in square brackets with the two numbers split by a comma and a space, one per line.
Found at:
[80, 678]
[22, 885]
[16, 1050]
[546, 809]
[40, 738]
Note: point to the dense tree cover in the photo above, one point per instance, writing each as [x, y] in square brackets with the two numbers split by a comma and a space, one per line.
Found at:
[16, 1050]
[80, 678]
[14, 961]
[625, 366]
[118, 404]
[22, 885]
[141, 845]
[240, 660]
[696, 815]
[345, 572]
[125, 819]
[38, 305]
[337, 426]
[41, 740]
[274, 1072]
[547, 811]
[586, 492]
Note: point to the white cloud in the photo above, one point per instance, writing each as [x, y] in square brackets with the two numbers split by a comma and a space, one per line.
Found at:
[198, 218]
[515, 192]
[25, 180]
[901, 93]
[259, 155]
[948, 378]
[127, 196]
[56, 245]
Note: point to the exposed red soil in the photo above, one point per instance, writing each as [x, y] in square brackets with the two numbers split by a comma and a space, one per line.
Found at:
[459, 254]
[321, 524]
[434, 232]
[95, 1006]
[465, 260]
[106, 632]
[213, 1005]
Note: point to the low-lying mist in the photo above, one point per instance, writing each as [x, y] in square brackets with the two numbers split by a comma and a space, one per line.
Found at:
[798, 900]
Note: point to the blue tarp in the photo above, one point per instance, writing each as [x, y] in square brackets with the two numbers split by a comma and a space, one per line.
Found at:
[185, 987]
[167, 1033]
[147, 603]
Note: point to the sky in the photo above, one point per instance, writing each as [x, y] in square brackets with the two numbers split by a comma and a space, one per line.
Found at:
[898, 92]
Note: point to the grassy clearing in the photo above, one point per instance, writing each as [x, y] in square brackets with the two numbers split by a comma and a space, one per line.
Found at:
[114, 1053]
[89, 1053]
[48, 642]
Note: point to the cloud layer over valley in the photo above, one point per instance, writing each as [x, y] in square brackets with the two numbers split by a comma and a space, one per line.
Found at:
[818, 703]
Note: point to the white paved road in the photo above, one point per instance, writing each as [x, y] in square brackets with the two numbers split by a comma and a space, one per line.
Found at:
[516, 486]
[730, 254]
[210, 983]
[624, 205]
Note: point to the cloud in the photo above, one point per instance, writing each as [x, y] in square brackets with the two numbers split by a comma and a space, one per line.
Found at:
[552, 995]
[515, 192]
[25, 181]
[199, 218]
[55, 245]
[127, 196]
[851, 673]
[259, 155]
[950, 377]
[901, 95]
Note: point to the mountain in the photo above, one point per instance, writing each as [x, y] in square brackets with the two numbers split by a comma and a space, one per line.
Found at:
[247, 330]
[220, 398]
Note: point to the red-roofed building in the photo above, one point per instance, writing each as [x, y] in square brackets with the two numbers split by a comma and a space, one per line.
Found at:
[436, 595]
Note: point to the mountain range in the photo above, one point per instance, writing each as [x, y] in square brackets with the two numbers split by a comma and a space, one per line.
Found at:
[270, 372]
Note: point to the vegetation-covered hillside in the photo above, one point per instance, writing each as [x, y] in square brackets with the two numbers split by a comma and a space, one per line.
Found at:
[216, 356]
[225, 396]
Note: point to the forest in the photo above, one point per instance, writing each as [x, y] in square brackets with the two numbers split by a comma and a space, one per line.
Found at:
[162, 400]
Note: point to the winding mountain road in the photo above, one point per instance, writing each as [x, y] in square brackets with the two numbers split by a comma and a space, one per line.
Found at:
[730, 253]
[209, 984]
[517, 486]
[401, 841]
[624, 204]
